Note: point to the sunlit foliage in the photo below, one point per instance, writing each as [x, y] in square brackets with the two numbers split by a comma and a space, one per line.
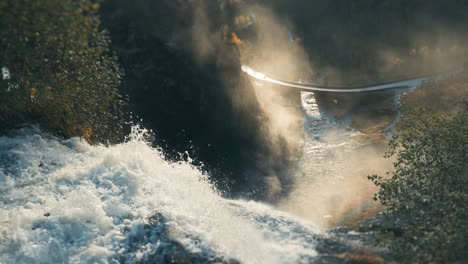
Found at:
[61, 72]
[427, 194]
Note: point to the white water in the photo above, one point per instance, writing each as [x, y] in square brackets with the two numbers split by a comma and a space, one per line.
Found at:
[327, 142]
[67, 201]
[331, 182]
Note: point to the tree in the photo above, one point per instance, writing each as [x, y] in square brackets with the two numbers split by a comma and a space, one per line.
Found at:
[427, 193]
[61, 70]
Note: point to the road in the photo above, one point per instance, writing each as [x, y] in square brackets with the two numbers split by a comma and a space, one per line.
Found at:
[408, 83]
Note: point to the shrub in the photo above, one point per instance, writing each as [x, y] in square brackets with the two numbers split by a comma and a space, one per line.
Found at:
[61, 71]
[427, 193]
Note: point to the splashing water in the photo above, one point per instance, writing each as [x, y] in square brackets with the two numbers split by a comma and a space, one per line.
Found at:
[67, 201]
[331, 181]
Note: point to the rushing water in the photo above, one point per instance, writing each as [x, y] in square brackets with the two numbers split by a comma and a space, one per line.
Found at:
[67, 201]
[64, 201]
[324, 136]
[331, 180]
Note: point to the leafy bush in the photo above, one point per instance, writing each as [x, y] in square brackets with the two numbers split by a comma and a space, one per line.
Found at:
[61, 70]
[427, 193]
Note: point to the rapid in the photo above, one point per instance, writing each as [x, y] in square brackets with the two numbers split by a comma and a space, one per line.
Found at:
[67, 201]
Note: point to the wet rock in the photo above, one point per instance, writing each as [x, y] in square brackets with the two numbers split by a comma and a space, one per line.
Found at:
[344, 245]
[201, 105]
[360, 257]
[381, 222]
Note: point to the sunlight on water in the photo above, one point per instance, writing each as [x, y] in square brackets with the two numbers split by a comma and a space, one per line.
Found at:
[331, 180]
[67, 201]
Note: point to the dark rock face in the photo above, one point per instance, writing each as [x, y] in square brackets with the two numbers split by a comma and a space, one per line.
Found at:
[197, 104]
[373, 104]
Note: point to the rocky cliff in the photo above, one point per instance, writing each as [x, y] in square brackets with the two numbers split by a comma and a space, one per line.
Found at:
[183, 79]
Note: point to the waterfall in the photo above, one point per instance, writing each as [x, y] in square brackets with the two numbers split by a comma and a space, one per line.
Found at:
[67, 201]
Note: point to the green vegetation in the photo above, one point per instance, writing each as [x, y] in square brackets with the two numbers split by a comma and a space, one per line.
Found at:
[427, 193]
[61, 71]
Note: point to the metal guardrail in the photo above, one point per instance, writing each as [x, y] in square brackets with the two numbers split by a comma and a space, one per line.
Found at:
[408, 83]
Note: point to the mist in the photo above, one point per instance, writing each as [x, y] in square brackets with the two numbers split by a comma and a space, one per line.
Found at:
[233, 131]
[343, 196]
[290, 40]
[278, 51]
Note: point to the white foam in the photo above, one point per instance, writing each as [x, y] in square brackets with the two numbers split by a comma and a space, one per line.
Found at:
[67, 201]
